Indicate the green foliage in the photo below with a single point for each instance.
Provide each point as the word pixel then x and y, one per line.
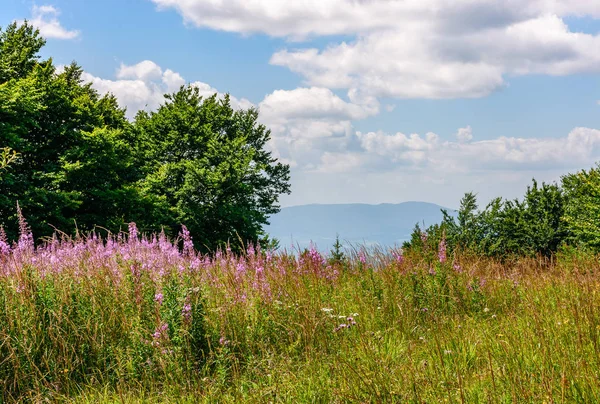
pixel 81 164
pixel 337 255
pixel 19 46
pixel 74 165
pixel 7 156
pixel 582 211
pixel 205 165
pixel 505 228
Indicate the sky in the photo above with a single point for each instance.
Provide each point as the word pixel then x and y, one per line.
pixel 369 101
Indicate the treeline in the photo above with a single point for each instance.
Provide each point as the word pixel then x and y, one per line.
pixel 73 162
pixel 545 219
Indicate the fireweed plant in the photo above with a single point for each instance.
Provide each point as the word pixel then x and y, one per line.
pixel 133 317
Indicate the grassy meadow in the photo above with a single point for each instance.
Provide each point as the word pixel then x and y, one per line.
pixel 136 319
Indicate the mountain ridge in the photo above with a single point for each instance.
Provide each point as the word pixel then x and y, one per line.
pixel 384 224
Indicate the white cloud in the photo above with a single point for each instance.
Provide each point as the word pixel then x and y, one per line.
pixel 464 135
pixel 430 62
pixel 144 70
pixel 580 147
pixel 314 103
pixel 398 167
pixel 45 18
pixel 414 48
pixel 142 87
pixel 299 19
pixel 307 121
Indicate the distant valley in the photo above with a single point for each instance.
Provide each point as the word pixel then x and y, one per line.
pixel 384 224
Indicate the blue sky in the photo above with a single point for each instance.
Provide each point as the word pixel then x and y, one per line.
pixel 381 101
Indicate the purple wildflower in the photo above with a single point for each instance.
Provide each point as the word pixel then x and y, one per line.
pixel 188 245
pixel 160 333
pixel 398 256
pixel 362 258
pixel 442 250
pixel 158 298
pixel 25 242
pixel 4 246
pixel 340 327
pixel 186 312
pixel 133 232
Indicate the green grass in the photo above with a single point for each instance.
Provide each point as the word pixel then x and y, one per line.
pixel 515 332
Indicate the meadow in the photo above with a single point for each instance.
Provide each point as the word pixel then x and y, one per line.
pixel 134 318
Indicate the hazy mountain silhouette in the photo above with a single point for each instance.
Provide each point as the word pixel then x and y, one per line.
pixel 385 224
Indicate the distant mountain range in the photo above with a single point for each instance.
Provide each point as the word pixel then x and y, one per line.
pixel 385 224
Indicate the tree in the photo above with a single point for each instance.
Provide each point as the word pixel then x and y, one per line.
pixel 207 165
pixel 582 210
pixel 75 166
pixel 507 228
pixel 337 255
pixel 19 45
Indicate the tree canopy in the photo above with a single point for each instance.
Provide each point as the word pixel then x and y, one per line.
pixel 82 164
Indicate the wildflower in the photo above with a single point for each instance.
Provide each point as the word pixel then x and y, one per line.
pixel 424 237
pixel 4 246
pixel 398 256
pixel 315 255
pixel 250 250
pixel 158 298
pixel 442 250
pixel 133 232
pixel 186 312
pixel 362 258
pixel 25 242
pixel 340 327
pixel 160 333
pixel 327 309
pixel 223 341
pixel 188 245
pixel 432 271
pixel 457 267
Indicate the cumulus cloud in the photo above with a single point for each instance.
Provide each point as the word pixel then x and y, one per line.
pixel 580 147
pixel 306 121
pixel 142 87
pixel 426 62
pixel 414 48
pixel 331 17
pixel 399 167
pixel 464 135
pixel 45 18
pixel 315 103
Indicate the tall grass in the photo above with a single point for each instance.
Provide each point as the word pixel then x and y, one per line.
pixel 128 319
